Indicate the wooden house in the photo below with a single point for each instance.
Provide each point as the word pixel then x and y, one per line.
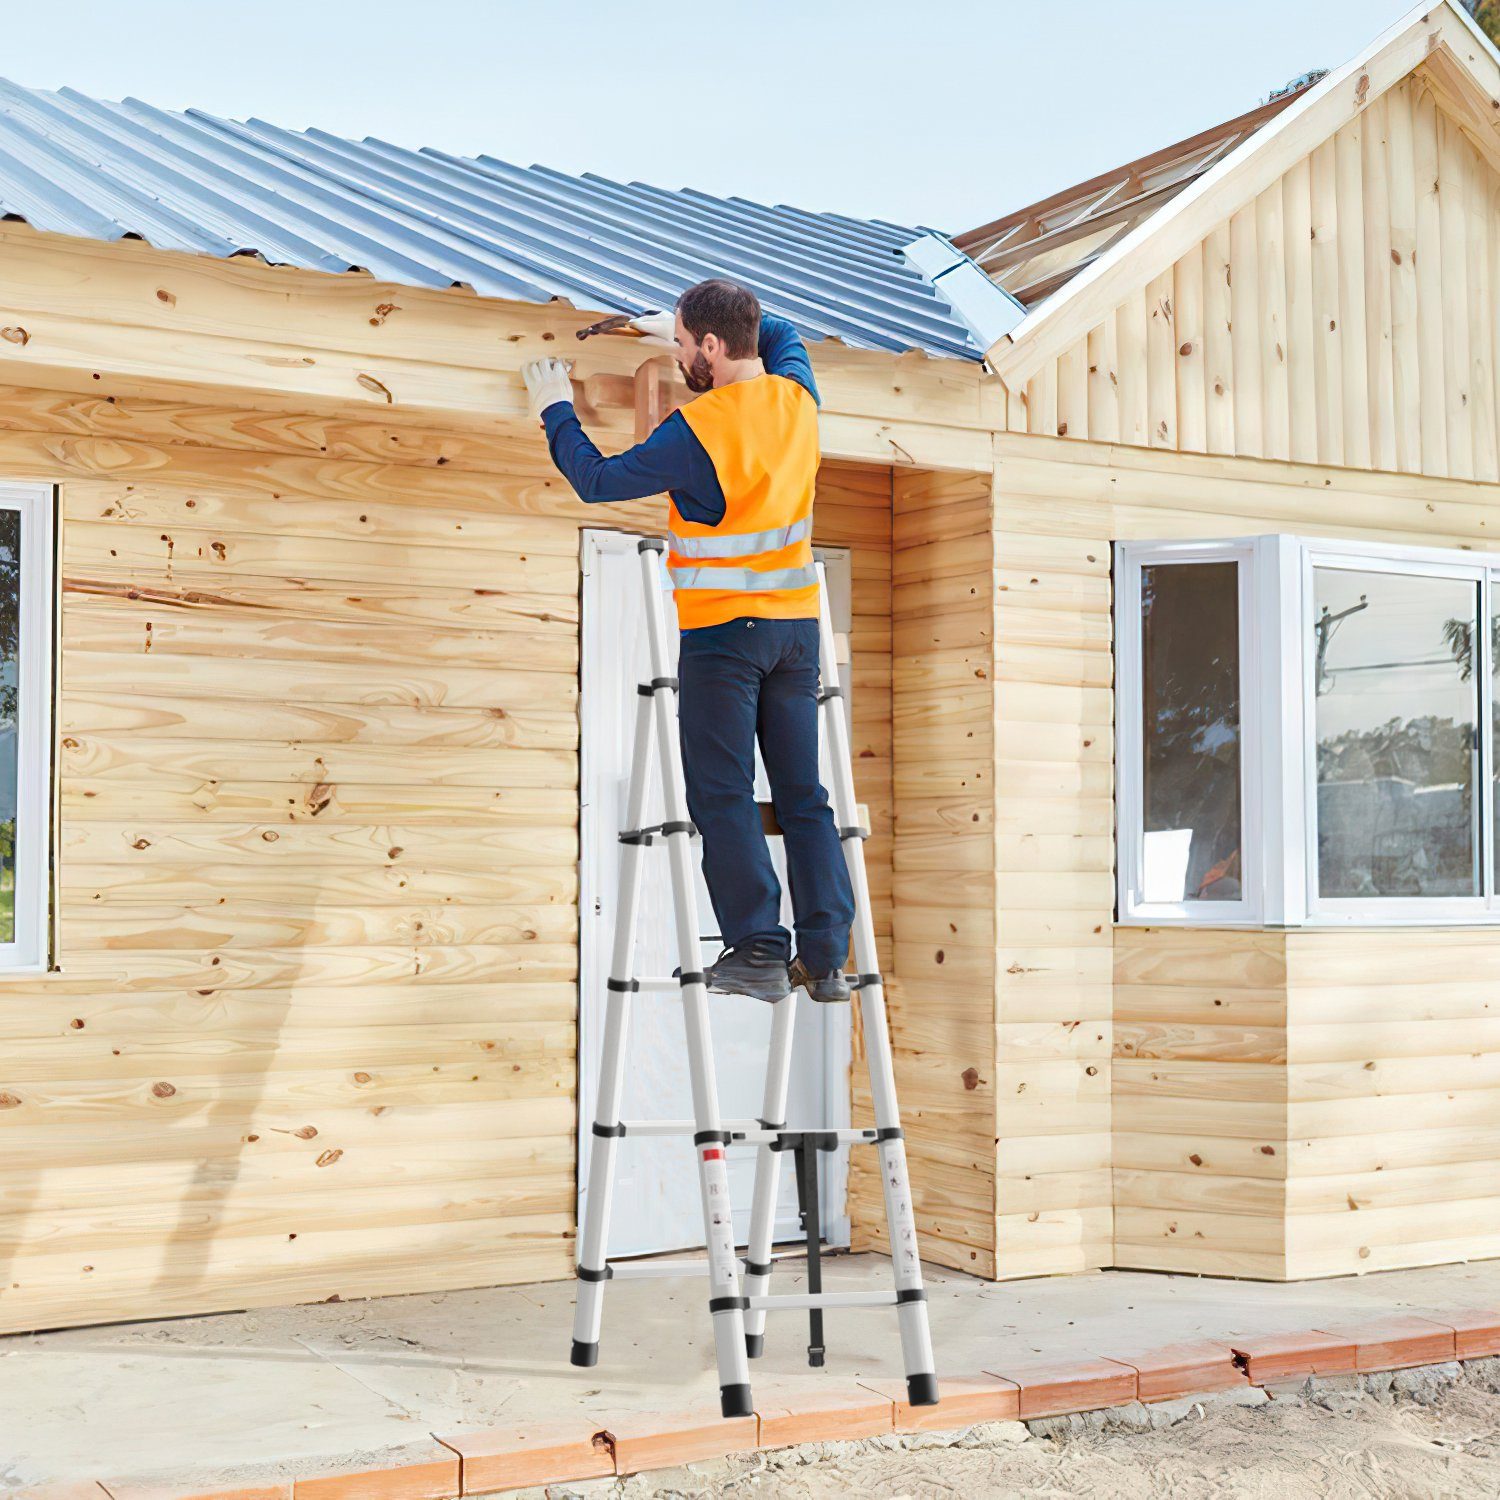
pixel 314 671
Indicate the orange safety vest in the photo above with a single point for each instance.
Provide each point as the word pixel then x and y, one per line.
pixel 762 437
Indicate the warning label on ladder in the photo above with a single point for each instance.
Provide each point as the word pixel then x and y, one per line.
pixel 719 1215
pixel 899 1213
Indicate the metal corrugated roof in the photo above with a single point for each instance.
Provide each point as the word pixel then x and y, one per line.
pixel 190 181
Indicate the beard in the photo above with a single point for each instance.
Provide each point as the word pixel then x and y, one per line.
pixel 700 377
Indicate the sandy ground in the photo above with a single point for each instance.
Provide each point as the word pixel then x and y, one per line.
pixel 1419 1434
pixel 297 1391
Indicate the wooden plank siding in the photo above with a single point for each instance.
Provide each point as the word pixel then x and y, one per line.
pixel 941 995
pixel 1247 1068
pixel 1393 1089
pixel 1306 1103
pixel 1054 856
pixel 1200 1101
pixel 1347 316
pixel 312 1030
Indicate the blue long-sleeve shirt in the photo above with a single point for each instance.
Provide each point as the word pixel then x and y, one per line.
pixel 672 460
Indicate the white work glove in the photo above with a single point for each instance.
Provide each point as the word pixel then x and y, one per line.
pixel 546 384
pixel 659 328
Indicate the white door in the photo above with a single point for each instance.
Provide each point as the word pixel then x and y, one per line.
pixel 656 1204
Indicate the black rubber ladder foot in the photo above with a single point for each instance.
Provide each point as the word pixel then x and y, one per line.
pixel 921 1390
pixel 734 1401
pixel 815 1356
pixel 585 1355
pixel 755 1345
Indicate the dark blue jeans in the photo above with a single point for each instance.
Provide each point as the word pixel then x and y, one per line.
pixel 739 680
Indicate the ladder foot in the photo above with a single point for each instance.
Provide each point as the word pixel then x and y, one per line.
pixel 755 1345
pixel 583 1354
pixel 815 1356
pixel 922 1390
pixel 734 1401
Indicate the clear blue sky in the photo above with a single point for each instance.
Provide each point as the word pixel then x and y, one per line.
pixel 941 114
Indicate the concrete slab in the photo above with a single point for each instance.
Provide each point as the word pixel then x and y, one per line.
pixel 288 1393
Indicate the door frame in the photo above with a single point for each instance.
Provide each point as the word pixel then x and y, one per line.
pixel 594 542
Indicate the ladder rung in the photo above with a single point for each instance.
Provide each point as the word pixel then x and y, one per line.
pixel 655 831
pixel 759 1137
pixel 772 828
pixel 801 1301
pixel 646 1270
pixel 688 1128
pixel 748 1132
pixel 661 986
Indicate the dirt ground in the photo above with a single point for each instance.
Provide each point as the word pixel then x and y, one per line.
pixel 1426 1433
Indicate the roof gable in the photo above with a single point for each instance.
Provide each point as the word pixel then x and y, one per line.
pixel 1442 38
pixel 1345 316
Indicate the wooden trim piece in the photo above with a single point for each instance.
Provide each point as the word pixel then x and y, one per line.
pixel 88 307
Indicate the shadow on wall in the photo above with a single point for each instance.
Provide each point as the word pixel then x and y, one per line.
pixel 318 945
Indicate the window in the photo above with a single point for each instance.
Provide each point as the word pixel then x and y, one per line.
pixel 1307 733
pixel 1395 734
pixel 1185 761
pixel 26 604
pixel 1190 728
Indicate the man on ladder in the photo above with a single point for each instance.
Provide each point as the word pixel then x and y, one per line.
pixel 740 464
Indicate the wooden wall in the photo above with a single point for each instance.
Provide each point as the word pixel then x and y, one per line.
pixel 1054 857
pixel 1306 1103
pixel 1220 1040
pixel 1346 316
pixel 312 1033
pixel 1201 1147
pixel 312 1029
pixel 853 509
pixel 1393 1046
pixel 941 992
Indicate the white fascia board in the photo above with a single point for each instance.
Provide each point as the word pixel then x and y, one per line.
pixel 1462 12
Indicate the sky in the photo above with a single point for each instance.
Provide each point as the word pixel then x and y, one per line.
pixel 943 115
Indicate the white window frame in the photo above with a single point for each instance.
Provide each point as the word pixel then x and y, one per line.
pixel 1278 756
pixel 1130 560
pixel 28 952
pixel 1430 562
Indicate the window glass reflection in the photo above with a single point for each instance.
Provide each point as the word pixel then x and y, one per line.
pixel 1191 732
pixel 1395 716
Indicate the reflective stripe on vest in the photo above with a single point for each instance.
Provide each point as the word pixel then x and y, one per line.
pixel 761 435
pixel 742 545
pixel 746 579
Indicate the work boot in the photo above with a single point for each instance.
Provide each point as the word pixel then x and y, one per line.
pixel 829 988
pixel 754 969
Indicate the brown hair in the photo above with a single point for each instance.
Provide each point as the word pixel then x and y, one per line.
pixel 727 309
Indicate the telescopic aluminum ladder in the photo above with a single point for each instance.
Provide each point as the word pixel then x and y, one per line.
pixel 739 1316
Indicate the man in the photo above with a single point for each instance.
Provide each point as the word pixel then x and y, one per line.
pixel 740 464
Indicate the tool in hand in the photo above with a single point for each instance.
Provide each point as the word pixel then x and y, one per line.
pixel 619 323
pixel 658 329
